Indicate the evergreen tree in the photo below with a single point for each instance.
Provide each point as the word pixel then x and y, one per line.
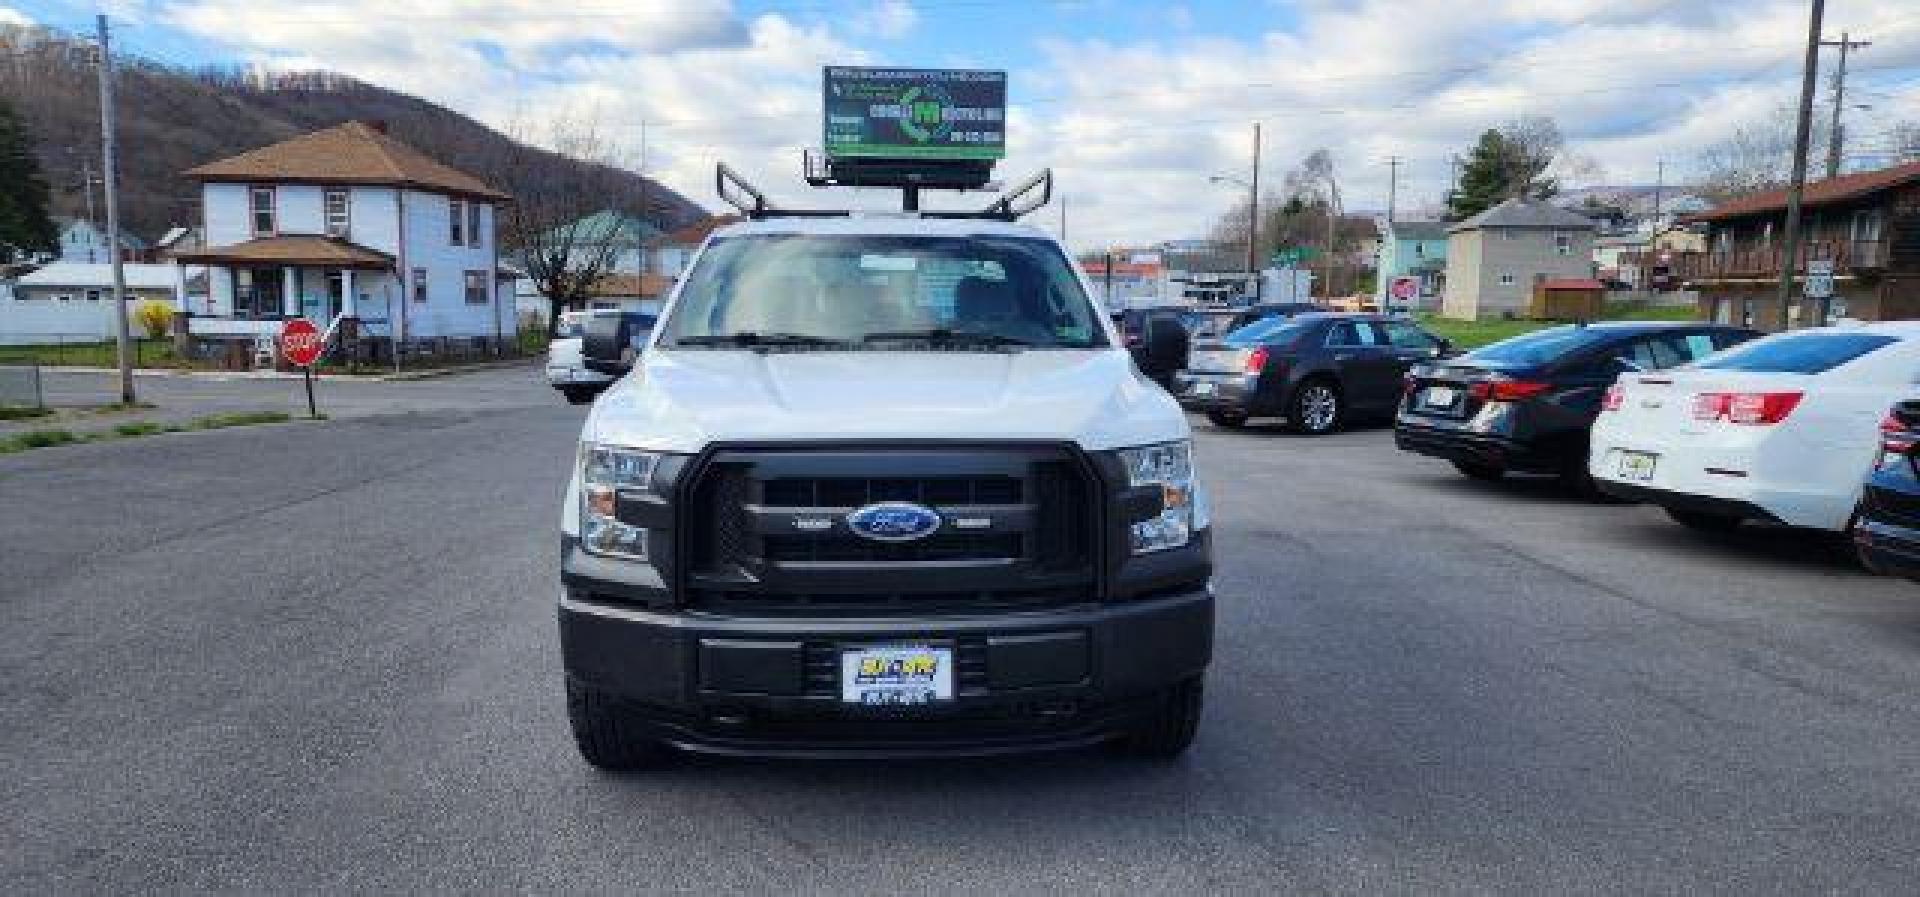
pixel 1506 163
pixel 25 226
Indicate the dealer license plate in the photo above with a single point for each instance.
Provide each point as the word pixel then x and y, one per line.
pixel 896 675
pixel 1441 396
pixel 1637 465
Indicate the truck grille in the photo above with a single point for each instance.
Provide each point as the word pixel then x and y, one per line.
pixel 765 529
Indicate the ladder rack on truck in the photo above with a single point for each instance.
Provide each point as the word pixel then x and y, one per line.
pixel 1020 200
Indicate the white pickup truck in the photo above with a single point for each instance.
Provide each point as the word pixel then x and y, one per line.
pixel 566 368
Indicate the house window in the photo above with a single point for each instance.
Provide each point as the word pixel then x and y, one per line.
pixel 1563 244
pixel 261 204
pixel 1420 250
pixel 1866 226
pixel 473 224
pixel 1506 280
pixel 419 284
pixel 338 213
pixel 476 287
pixel 1510 235
pixel 1766 234
pixel 93 295
pixel 457 222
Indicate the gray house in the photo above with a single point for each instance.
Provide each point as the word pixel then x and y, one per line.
pixel 1495 257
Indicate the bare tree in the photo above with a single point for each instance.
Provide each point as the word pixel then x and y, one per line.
pixel 1533 145
pixel 1756 156
pixel 553 228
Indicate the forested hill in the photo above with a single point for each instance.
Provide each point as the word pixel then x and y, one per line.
pixel 171 119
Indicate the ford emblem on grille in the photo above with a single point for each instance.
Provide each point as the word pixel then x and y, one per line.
pixel 893 521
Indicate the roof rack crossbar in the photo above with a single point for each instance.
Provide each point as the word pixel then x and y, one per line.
pixel 735 190
pixel 1016 201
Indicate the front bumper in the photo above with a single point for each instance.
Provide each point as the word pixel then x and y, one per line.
pixel 559 376
pixel 768 686
pixel 1887 547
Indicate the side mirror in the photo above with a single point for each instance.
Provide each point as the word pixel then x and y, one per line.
pixel 1166 345
pixel 607 344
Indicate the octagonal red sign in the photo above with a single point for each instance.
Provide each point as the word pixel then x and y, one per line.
pixel 300 342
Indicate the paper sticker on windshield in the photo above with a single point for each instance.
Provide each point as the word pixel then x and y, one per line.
pixel 889 262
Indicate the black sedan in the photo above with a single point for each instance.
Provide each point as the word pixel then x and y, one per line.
pixel 1317 370
pixel 1528 403
pixel 1886 531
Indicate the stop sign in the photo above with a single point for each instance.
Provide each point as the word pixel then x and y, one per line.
pixel 1405 288
pixel 300 342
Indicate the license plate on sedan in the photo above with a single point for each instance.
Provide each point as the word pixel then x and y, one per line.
pixel 1637 466
pixel 1441 396
pixel 1203 388
pixel 896 675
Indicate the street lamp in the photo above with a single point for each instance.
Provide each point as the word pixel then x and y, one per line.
pixel 1253 224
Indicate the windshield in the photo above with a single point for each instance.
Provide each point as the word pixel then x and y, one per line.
pixel 1797 353
pixel 1540 346
pixel 850 291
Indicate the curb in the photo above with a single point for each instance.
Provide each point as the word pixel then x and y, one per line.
pixel 322 377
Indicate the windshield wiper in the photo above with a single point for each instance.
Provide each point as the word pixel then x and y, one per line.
pixel 753 339
pixel 946 336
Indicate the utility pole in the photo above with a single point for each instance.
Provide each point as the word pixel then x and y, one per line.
pixel 1836 131
pixel 1796 189
pixel 1333 220
pixel 108 177
pixel 640 232
pixel 1393 186
pixel 1253 219
pixel 1653 228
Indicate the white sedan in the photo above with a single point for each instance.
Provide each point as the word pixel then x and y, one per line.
pixel 1781 429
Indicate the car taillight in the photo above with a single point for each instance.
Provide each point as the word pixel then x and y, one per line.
pixel 1256 360
pixel 1752 408
pixel 1507 390
pixel 1616 394
pixel 1896 441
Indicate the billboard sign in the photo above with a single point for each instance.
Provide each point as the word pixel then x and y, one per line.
pixel 889 113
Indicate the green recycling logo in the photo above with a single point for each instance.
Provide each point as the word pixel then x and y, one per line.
pixel 923 113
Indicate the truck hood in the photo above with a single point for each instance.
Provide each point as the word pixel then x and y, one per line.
pixel 684 400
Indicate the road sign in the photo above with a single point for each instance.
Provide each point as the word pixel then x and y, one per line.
pixel 300 342
pixel 1287 258
pixel 1819 283
pixel 300 345
pixel 1404 289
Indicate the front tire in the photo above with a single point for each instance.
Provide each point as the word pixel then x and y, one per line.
pixel 1169 730
pixel 1705 522
pixel 606 733
pixel 1317 408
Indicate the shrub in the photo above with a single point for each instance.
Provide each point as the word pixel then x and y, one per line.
pixel 156 318
pixel 44 438
pixel 138 428
pixel 17 412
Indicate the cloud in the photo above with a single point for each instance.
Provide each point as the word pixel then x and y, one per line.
pixel 886 20
pixel 1132 117
pixel 11 16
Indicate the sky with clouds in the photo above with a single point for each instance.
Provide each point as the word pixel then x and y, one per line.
pixel 1134 105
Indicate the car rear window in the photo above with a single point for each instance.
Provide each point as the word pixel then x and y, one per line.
pixel 1541 346
pixel 1269 330
pixel 1797 353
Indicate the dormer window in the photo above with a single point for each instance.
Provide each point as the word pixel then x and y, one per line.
pixel 339 214
pixel 260 203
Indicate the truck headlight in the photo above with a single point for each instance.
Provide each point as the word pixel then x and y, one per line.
pixel 605 472
pixel 1169 466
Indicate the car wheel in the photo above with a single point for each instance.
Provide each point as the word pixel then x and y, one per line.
pixel 1169 730
pixel 1227 419
pixel 1485 472
pixel 606 734
pixel 1704 521
pixel 577 396
pixel 1316 408
pixel 1857 548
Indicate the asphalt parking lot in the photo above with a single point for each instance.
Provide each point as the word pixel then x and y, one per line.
pixel 321 656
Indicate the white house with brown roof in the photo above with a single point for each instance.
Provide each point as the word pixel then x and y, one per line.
pixel 348 223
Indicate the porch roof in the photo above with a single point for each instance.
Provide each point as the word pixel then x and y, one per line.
pixel 312 250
